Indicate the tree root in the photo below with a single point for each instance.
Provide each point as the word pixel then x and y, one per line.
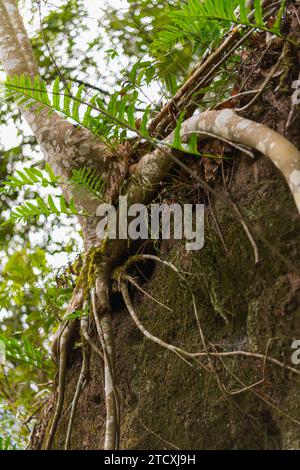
pixel 209 354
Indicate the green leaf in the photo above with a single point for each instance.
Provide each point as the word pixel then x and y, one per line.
pixel 62 204
pixel 144 121
pixel 193 144
pixel 51 174
pixel 276 26
pixel 130 115
pixel 76 104
pixel 72 206
pixel 44 208
pixel 67 103
pixel 258 13
pixel 52 205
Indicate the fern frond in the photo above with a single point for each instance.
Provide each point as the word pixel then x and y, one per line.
pixel 88 179
pixel 195 18
pixel 38 207
pixel 119 114
pixel 31 177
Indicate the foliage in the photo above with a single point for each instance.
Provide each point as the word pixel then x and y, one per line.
pixel 118 114
pixel 29 209
pixel 134 29
pixel 111 125
pixel 6 443
pixel 83 178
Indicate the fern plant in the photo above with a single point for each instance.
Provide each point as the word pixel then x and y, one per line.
pixel 85 178
pixel 38 207
pixel 31 177
pixel 88 179
pixel 117 118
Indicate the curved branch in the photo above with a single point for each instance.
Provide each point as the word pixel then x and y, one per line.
pixel 152 168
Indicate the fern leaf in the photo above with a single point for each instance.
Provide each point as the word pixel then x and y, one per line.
pixel 42 206
pixel 56 95
pixel 72 206
pixel 52 205
pixel 62 204
pixel 276 26
pixel 29 210
pixel 177 139
pixel 258 13
pixel 67 103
